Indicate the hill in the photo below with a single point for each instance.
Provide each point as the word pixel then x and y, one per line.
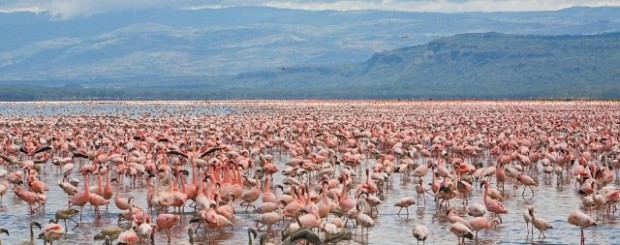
pixel 128 46
pixel 480 65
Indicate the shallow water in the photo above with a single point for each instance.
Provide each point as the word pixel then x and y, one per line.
pixel 551 203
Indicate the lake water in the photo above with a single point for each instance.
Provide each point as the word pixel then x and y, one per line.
pixel 552 203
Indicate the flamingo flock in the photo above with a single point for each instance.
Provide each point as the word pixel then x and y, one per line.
pixel 316 172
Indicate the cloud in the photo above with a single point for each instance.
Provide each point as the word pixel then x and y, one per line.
pixel 65 9
pixel 443 6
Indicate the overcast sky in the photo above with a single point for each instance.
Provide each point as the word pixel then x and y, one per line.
pixel 64 9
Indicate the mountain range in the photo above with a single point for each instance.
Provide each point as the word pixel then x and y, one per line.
pixel 258 52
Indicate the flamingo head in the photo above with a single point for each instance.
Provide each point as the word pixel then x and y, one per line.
pixel 282 204
pixel 495 222
pixel 483 182
pixel 35 224
pixel 450 210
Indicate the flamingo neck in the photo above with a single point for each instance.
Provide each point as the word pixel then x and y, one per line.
pixel 86 184
pixel 267 184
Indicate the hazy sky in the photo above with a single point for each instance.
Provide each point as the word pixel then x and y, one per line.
pixel 72 8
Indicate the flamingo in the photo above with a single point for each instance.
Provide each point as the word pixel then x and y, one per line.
pixel 476 209
pixel 53 231
pixel 69 189
pixel 420 232
pixel 121 203
pixel 4 186
pixel 527 216
pixel 30 197
pixel 269 219
pixel 111 232
pixel 492 205
pixel 268 196
pixel 539 223
pixel 344 201
pixel 81 198
pixel 577 218
pixel 5 231
pixel 526 181
pixel 479 223
pixel 454 218
pixel 145 231
pixel 421 170
pixel 365 221
pixel 31 242
pixel 250 196
pixel 461 231
pixel 65 214
pixel 405 202
pixel 311 218
pixel 166 222
pixel 94 199
pixel 128 237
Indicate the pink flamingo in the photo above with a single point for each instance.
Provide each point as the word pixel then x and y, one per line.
pixel 94 199
pixel 53 231
pixel 311 219
pixel 461 231
pixel 128 237
pixel 344 201
pixel 526 181
pixel 30 197
pixel 121 203
pixel 268 196
pixel 166 222
pixel 492 205
pixel 81 198
pixel 405 202
pixel 577 218
pixel 250 196
pixel 479 223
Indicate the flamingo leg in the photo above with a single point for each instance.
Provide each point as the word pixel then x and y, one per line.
pixel 527 226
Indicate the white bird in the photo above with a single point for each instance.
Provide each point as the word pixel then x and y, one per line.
pixel 455 218
pixel 476 209
pixel 144 231
pixel 365 221
pixel 528 219
pixel 420 232
pixel 461 231
pixel 539 223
